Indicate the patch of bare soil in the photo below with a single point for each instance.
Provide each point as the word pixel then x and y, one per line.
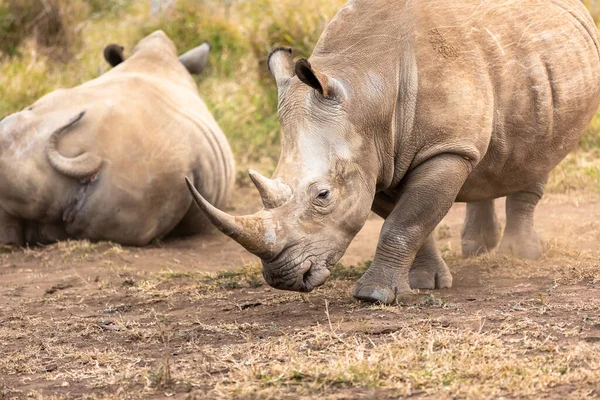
pixel 81 320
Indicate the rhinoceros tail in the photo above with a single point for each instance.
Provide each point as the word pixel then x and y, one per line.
pixel 82 167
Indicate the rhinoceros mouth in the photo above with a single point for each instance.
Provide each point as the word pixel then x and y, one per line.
pixel 314 277
pixel 286 273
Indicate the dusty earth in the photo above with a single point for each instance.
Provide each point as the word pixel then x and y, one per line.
pixel 81 320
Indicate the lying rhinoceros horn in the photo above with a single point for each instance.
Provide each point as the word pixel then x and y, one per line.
pixel 82 167
pixel 254 232
pixel 273 192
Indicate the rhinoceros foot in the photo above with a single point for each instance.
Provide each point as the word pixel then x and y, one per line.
pixel 480 244
pixel 382 286
pixel 429 270
pixel 482 231
pixel 430 276
pixel 382 294
pixel 374 294
pixel 527 246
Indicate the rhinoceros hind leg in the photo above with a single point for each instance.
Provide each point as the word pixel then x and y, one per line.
pixel 429 270
pixel 481 231
pixel 11 230
pixel 520 238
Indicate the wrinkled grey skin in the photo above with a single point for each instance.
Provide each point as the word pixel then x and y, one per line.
pixel 405 107
pixel 104 160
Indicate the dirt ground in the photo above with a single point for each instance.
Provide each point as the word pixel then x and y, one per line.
pixel 81 320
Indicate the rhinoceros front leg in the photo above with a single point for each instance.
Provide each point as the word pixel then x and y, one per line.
pixel 11 229
pixel 426 195
pixel 428 270
pixel 520 238
pixel 481 230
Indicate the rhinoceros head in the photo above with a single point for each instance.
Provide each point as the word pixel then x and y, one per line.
pixel 320 194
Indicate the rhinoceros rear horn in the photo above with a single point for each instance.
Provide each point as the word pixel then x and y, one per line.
pixel 113 54
pixel 272 192
pixel 281 65
pixel 249 231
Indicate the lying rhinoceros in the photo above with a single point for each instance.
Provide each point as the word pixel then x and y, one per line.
pixel 104 160
pixel 404 108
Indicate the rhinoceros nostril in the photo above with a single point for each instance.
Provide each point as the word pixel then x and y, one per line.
pixel 307 280
pixel 306 275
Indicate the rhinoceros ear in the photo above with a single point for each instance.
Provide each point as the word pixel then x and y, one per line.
pixel 281 65
pixel 113 54
pixel 196 59
pixel 328 87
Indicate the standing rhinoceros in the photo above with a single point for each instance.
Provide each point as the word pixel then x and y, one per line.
pixel 104 160
pixel 405 107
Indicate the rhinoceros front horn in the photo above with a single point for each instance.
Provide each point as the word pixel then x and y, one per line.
pixel 273 192
pixel 249 231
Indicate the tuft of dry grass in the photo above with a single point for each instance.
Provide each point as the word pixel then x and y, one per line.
pixel 422 360
pixel 567 265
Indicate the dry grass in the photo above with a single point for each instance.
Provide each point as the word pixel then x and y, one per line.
pixel 524 330
pixel 425 359
pixel 579 172
pixel 566 265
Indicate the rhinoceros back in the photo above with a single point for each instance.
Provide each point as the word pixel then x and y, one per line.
pixel 509 83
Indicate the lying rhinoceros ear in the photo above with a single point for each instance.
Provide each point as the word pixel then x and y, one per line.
pixel 281 65
pixel 196 59
pixel 328 87
pixel 113 54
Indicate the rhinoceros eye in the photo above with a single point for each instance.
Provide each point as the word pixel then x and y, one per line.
pixel 323 194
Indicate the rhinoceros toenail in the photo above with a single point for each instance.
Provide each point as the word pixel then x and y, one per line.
pixel 372 295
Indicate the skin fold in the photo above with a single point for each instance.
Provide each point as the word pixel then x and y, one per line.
pixel 404 108
pixel 103 160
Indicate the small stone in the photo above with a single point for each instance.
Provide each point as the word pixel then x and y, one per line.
pixel 50 367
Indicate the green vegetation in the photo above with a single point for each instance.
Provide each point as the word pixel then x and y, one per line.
pixel 236 85
pixel 579 171
pixel 58 43
pixel 52 24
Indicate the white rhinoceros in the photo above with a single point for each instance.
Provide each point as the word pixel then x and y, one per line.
pixel 104 160
pixel 405 107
